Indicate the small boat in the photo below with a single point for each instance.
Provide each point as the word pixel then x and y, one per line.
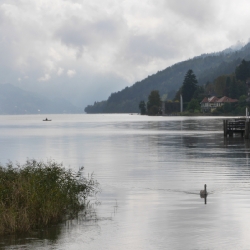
pixel 47 120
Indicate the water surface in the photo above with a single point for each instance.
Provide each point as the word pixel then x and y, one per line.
pixel 151 170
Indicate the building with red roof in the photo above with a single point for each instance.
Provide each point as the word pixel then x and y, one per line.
pixel 211 103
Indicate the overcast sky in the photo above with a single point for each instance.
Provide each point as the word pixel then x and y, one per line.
pixel 88 49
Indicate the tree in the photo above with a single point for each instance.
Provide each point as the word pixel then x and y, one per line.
pixel 199 93
pixel 220 85
pixel 177 95
pixel 154 103
pixel 227 107
pixel 228 86
pixel 142 107
pixel 242 72
pixel 189 86
pixel 233 89
pixel 193 105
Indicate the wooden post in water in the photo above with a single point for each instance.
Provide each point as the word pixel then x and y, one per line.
pixel 247 129
pixel 247 125
pixel 225 127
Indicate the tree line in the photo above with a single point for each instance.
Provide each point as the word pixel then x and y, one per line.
pixel 207 67
pixel 231 85
pixel 153 106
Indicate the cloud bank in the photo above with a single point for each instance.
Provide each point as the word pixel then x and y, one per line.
pixel 84 50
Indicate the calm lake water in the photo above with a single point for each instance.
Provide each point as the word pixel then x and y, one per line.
pixel 151 170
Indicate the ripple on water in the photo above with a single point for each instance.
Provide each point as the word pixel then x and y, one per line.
pixel 151 170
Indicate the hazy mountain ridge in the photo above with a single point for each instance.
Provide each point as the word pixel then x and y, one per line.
pixel 206 67
pixel 14 100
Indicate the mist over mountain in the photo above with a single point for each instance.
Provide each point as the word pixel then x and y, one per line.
pixel 14 100
pixel 206 67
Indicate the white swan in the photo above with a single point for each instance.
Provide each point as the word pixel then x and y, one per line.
pixel 204 192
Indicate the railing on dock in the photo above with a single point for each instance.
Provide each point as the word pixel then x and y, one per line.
pixel 236 126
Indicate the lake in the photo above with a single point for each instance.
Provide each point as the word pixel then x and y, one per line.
pixel 151 170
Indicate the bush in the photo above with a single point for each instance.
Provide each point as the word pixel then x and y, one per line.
pixel 227 107
pixel 193 105
pixel 37 194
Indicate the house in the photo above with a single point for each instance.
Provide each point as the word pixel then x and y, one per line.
pixel 208 104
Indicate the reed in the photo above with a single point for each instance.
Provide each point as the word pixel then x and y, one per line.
pixel 38 194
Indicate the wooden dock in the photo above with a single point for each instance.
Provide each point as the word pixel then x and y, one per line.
pixel 236 126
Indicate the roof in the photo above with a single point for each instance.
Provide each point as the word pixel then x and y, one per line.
pixel 210 99
pixel 214 99
pixel 227 99
pixel 205 99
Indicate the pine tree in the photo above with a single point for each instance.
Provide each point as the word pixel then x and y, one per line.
pixel 242 72
pixel 189 86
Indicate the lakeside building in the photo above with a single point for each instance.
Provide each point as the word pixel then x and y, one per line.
pixel 208 104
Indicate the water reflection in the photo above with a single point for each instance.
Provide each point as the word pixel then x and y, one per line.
pixel 52 235
pixel 150 170
pixel 204 196
pixel 236 141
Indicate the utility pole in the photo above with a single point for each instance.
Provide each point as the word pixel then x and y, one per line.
pixel 181 104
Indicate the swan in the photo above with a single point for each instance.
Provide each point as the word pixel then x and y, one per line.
pixel 204 192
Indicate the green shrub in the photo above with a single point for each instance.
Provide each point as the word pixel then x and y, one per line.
pixel 37 194
pixel 193 105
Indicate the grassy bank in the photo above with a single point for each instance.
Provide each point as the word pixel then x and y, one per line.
pixel 38 194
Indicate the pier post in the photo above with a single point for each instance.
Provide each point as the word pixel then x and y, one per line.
pixel 225 127
pixel 247 130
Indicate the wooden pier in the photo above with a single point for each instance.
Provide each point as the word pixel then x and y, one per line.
pixel 236 126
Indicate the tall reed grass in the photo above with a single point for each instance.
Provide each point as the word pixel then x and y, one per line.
pixel 37 194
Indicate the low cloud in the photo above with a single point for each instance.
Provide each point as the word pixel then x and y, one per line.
pixel 45 78
pixel 197 12
pixel 71 72
pixel 78 32
pixel 85 42
pixel 60 71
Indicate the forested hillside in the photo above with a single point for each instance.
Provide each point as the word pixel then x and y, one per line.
pixel 206 67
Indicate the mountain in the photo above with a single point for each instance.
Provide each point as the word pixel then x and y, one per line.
pixel 206 67
pixel 14 100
